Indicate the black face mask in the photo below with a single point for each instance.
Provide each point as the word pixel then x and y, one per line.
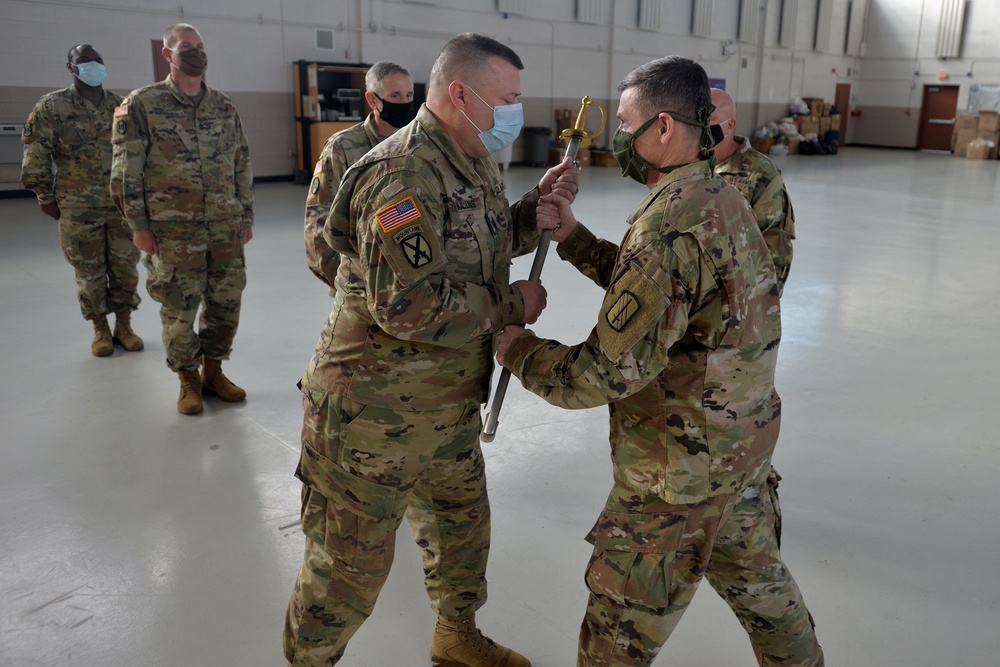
pixel 396 114
pixel 717 134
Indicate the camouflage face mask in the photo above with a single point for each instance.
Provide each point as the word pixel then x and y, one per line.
pixel 636 167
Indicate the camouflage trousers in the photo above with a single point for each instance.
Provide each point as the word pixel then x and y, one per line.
pixel 197 261
pixel 650 556
pixel 98 245
pixel 363 468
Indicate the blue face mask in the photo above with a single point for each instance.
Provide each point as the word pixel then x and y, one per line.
pixel 507 122
pixel 91 73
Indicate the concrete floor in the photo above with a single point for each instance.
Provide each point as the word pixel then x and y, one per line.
pixel 132 535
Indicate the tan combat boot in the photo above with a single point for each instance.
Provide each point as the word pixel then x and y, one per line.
pixel 460 644
pixel 214 383
pixel 103 345
pixel 124 335
pixel 189 402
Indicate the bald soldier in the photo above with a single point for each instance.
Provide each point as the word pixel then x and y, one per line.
pixel 390 95
pixel 182 178
pixel 67 164
pixel 758 180
pixel 683 354
pixel 393 393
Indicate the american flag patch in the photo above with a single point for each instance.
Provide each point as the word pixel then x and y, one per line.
pixel 318 168
pixel 398 214
pixel 121 110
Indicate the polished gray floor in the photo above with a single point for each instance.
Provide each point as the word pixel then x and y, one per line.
pixel 132 535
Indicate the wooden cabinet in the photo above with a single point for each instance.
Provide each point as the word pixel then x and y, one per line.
pixel 329 97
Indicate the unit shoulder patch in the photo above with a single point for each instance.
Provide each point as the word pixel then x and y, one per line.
pixel 407 238
pixel 631 306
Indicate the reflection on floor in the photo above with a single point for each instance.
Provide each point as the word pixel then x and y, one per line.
pixel 132 535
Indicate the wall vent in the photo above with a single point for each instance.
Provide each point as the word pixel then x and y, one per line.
pixel 324 39
pixel 519 7
pixel 949 43
pixel 789 22
pixel 651 15
pixel 751 20
pixel 592 11
pixel 701 18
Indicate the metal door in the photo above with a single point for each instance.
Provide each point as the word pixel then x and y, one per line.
pixel 937 118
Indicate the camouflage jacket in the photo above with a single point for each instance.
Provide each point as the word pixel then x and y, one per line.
pixel 759 180
pixel 685 344
pixel 428 236
pixel 340 151
pixel 67 150
pixel 177 162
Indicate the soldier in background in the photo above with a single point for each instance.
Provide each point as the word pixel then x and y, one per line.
pixel 758 180
pixel 683 353
pixel 181 175
pixel 67 164
pixel 390 95
pixel 393 393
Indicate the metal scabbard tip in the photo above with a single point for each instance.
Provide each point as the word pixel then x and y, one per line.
pixel 487 437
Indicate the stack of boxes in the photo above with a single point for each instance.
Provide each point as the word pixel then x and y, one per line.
pixel 821 120
pixel 976 136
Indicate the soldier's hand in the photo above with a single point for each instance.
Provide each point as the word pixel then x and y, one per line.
pixel 534 296
pixel 247 233
pixel 145 240
pixel 51 210
pixel 506 337
pixel 563 178
pixel 554 213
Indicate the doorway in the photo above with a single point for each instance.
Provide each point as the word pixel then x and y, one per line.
pixel 161 68
pixel 937 118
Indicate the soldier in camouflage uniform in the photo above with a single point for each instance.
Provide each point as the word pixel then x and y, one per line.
pixel 67 163
pixel 683 353
pixel 393 392
pixel 759 180
pixel 181 175
pixel 390 95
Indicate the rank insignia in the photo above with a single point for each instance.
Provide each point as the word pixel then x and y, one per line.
pixel 621 313
pixel 417 250
pixel 398 214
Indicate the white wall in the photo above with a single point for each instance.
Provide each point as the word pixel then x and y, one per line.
pixel 251 44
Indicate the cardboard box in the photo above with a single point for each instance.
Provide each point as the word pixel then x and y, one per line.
pixel 967 121
pixel 808 125
pixel 564 120
pixel 835 121
pixel 824 125
pixel 982 149
pixel 989 121
pixel 826 109
pixel 762 145
pixel 961 140
pixel 989 136
pixel 815 105
pixel 793 145
pixel 602 157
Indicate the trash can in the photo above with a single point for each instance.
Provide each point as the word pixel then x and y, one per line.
pixel 536 146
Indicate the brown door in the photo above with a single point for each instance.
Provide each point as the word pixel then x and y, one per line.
pixel 937 118
pixel 842 100
pixel 161 68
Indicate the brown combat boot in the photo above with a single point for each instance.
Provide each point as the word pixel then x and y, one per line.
pixel 189 402
pixel 214 383
pixel 103 345
pixel 124 335
pixel 460 644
